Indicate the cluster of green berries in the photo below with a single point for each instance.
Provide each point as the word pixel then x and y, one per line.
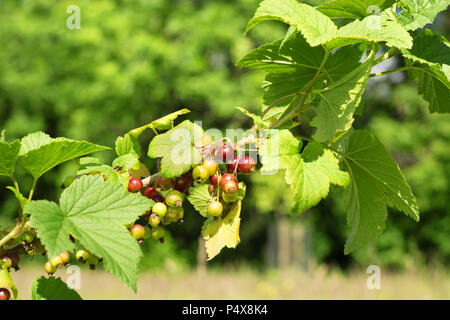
pixel 52 265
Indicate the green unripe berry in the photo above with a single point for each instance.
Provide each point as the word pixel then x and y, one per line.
pixel 160 209
pixel 174 198
pixel 82 255
pixel 7 262
pixel 92 261
pixel 65 257
pixel 157 233
pixel 230 197
pixel 154 220
pixel 200 173
pixel 49 268
pixel 174 214
pixel 215 208
pixel 211 166
pixel 56 262
pixel 28 237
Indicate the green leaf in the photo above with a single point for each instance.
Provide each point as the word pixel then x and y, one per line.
pixel 128 144
pixel 339 101
pixel 199 197
pixel 353 9
pixel 256 119
pixel 309 174
pixel 52 289
pixel 416 14
pixel 224 232
pixel 95 213
pixel 22 200
pixel 89 160
pixel 375 182
pixel 372 28
pixel 40 153
pixel 6 281
pixel 163 123
pixel 107 171
pixel 9 153
pixel 176 147
pixel 430 60
pixel 127 161
pixel 316 27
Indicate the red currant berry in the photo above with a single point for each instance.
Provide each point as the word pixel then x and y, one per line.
pixel 137 231
pixel 214 179
pixel 231 167
pixel 225 153
pixel 184 182
pixel 230 187
pixel 200 173
pixel 247 165
pixel 215 208
pixel 135 185
pixel 163 183
pixel 174 198
pixel 152 193
pixel 227 177
pixel 4 294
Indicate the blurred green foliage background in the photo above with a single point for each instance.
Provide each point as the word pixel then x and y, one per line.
pixel 133 61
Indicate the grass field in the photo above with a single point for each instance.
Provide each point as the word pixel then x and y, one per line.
pixel 321 283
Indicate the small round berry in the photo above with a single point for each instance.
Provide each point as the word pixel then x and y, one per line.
pixel 225 153
pixel 56 262
pixel 211 188
pixel 247 165
pixel 230 187
pixel 82 255
pixel 92 261
pixel 214 179
pixel 163 183
pixel 215 208
pixel 65 257
pixel 227 177
pixel 200 173
pixel 154 220
pixel 15 260
pixel 7 262
pixel 49 268
pixel 174 198
pixel 174 214
pixel 231 167
pixel 230 197
pixel 152 193
pixel 160 209
pixel 157 233
pixel 211 166
pixel 135 185
pixel 184 182
pixel 4 294
pixel 137 231
pixel 28 237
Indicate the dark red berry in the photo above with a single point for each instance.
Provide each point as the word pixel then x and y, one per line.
pixel 247 165
pixel 214 179
pixel 184 182
pixel 225 153
pixel 15 260
pixel 4 294
pixel 164 183
pixel 231 167
pixel 152 193
pixel 135 185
